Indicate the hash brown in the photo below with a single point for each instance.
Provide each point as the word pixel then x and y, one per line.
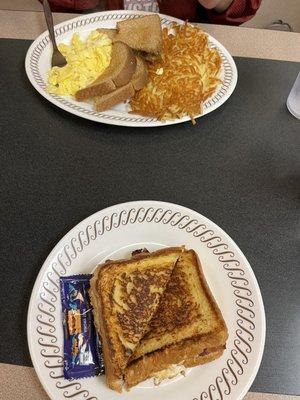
pixel 187 73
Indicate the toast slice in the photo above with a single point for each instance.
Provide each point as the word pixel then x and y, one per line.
pixel 187 325
pixel 110 32
pixel 162 364
pixel 140 77
pixel 174 370
pixel 125 295
pixel 123 93
pixel 143 33
pixel 119 72
pixel 151 58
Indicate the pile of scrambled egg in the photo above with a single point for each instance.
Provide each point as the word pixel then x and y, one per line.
pixel 86 61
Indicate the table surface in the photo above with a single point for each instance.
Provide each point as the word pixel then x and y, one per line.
pixel 57 169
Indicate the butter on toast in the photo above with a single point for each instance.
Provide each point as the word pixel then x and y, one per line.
pixel 125 295
pixel 187 329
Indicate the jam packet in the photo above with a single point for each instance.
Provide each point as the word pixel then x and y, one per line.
pixel 82 348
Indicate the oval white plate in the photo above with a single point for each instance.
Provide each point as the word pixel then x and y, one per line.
pixel 114 233
pixel 38 62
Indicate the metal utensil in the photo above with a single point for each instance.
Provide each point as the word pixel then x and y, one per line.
pixel 58 60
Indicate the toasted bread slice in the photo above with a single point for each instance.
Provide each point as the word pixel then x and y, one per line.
pixel 187 308
pixel 111 33
pixel 119 72
pixel 158 363
pixel 140 77
pixel 151 58
pixel 207 356
pixel 187 323
pixel 125 296
pixel 143 33
pixel 109 100
pixel 176 369
pixel 123 93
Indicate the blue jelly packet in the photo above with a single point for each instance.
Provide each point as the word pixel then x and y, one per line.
pixel 82 348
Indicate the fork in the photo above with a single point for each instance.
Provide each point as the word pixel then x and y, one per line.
pixel 58 60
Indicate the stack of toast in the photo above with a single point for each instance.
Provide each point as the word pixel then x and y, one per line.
pixel 133 42
pixel 156 316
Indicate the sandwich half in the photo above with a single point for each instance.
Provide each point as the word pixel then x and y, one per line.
pixel 125 295
pixel 187 329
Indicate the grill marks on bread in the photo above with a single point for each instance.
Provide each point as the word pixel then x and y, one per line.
pixel 153 312
pixel 134 297
pixel 125 296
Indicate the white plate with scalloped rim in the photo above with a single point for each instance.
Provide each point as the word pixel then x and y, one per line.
pixel 113 233
pixel 38 62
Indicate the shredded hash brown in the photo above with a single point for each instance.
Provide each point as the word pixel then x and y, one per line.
pixel 182 79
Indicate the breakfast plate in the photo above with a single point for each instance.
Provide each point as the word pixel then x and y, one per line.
pixel 38 63
pixel 114 233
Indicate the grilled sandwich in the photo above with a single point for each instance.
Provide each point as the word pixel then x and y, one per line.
pixel 125 296
pixel 187 329
pixel 155 336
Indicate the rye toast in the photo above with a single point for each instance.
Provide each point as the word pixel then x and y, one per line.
pixel 143 33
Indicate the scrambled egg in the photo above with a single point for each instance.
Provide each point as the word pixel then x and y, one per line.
pixel 86 61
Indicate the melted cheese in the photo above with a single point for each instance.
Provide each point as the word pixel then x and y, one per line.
pixel 168 373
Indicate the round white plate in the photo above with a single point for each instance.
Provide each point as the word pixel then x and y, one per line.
pixel 38 63
pixel 114 233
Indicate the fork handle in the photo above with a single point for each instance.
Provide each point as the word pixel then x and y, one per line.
pixel 49 21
